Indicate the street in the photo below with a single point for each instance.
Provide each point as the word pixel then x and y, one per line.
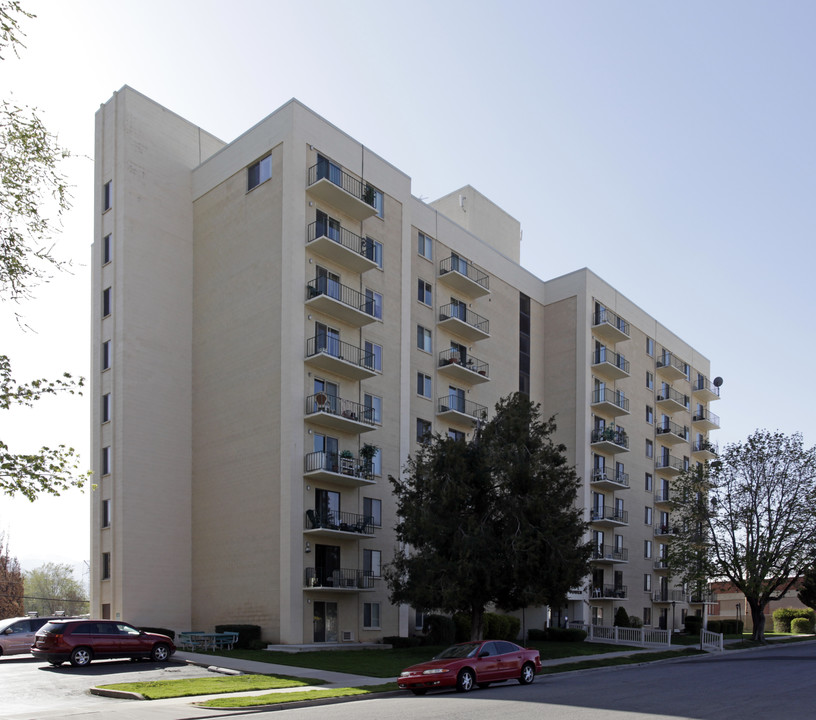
pixel 763 683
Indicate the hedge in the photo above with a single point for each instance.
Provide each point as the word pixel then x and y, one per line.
pixel 782 618
pixel 801 626
pixel 440 630
pixel 694 624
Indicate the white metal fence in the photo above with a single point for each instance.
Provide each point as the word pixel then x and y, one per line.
pixel 711 641
pixel 647 637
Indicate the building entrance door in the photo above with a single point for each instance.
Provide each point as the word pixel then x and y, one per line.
pixel 325 622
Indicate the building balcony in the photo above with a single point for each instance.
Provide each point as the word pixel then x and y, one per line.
pixel 609 364
pixel 670 433
pixel 704 450
pixel 665 531
pixel 464 277
pixel 610 402
pixel 468 369
pixel 704 390
pixel 340 301
pixel 338 469
pixel 608 480
pixel 451 408
pixel 609 326
pixel 607 592
pixel 671 401
pixel 705 420
pixel 670 366
pixel 341 246
pixel 661 565
pixel 704 598
pixel 338 524
pixel 609 440
pixel 669 466
pixel 608 517
pixel 338 579
pixel 669 596
pixel 609 554
pixel 334 186
pixel 332 412
pixel 331 355
pixel 663 497
pixel 462 321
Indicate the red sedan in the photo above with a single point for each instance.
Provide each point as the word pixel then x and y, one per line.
pixel 480 663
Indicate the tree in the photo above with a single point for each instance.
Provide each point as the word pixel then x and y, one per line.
pixel 748 516
pixel 807 591
pixel 52 587
pixel 31 187
pixel 11 583
pixel 489 522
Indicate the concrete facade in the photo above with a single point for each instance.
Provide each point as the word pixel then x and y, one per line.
pixel 266 310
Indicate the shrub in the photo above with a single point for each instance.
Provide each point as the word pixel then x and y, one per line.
pixel 440 630
pixel 501 627
pixel 635 621
pixel 402 642
pixel 462 622
pixel 801 626
pixel 714 626
pixel 514 629
pixel 246 633
pixel 566 634
pixel 783 618
pixel 621 617
pixel 536 635
pixel 161 631
pixel 694 624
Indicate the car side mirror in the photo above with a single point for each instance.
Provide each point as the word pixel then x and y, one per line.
pixel 484 653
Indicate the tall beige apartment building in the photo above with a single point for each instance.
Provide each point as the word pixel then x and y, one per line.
pixel 268 311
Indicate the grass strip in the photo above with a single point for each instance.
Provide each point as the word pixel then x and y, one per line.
pixel 290 697
pixel 161 689
pixel 629 660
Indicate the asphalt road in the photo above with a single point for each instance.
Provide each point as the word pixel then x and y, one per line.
pixel 763 683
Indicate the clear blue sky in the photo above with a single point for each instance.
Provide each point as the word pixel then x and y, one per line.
pixel 667 146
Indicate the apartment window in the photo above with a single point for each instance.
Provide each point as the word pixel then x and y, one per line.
pixel 106 302
pixel 456 435
pixel 650 346
pixel 647 582
pixel 423 430
pixel 649 449
pixel 106 460
pixel 373 406
pixel 374 251
pixel 647 616
pixel 424 292
pixel 647 549
pixel 106 354
pixel 425 247
pixel 372 507
pixel 371 562
pixel 107 196
pixel 524 344
pixel 371 615
pixel 649 380
pixel 649 414
pixel 106 513
pixel 377 200
pixel 647 515
pixel 106 407
pixel 373 356
pixel 106 249
pixel 648 482
pixel 106 566
pixel 374 303
pixel 419 620
pixel 423 338
pixel 259 172
pixel 424 385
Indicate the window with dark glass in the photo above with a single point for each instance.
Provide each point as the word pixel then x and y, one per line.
pixel 259 172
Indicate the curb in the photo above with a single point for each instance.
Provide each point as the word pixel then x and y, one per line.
pixel 120 694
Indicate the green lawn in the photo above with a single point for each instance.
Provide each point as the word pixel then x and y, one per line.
pixel 390 663
pixel 290 697
pixel 160 689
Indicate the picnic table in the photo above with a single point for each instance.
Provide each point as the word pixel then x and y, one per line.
pixel 194 640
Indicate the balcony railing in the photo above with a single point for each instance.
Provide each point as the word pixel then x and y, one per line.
pixel 665 530
pixel 611 514
pixel 339 177
pixel 473 281
pixel 605 320
pixel 340 521
pixel 706 418
pixel 670 464
pixel 661 564
pixel 325 344
pixel 349 410
pixel 608 591
pixel 463 314
pixel 666 428
pixel 673 399
pixel 608 396
pixel 704 447
pixel 705 389
pixel 662 497
pixel 468 362
pixel 605 356
pixel 334 462
pixel 610 553
pixel 453 403
pixel 669 596
pixel 338 578
pixel 615 435
pixel 669 365
pixel 349 297
pixel 603 476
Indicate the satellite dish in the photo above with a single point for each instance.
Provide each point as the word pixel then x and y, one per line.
pixel 718 381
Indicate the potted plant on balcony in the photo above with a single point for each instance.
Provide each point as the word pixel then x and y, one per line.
pixel 367 453
pixel 347 462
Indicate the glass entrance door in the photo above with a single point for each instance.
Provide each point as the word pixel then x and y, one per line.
pixel 325 622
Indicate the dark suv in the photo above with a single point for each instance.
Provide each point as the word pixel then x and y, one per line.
pixel 80 641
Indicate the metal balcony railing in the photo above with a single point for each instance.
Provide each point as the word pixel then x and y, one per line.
pixel 454 357
pixel 335 520
pixel 342 293
pixel 604 316
pixel 463 313
pixel 342 350
pixel 669 393
pixel 605 355
pixel 703 383
pixel 338 176
pixel 341 236
pixel 340 578
pixel 616 435
pixel 608 395
pixel 610 513
pixel 668 596
pixel 668 359
pixel 466 268
pixel 603 475
pixel 333 405
pixel 703 414
pixel 608 591
pixel 667 426
pixel 458 404
pixel 610 552
pixel 669 462
pixel 338 463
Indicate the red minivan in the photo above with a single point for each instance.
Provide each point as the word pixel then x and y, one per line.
pixel 80 641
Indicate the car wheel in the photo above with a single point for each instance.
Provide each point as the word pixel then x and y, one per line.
pixel 81 656
pixel 527 673
pixel 160 652
pixel 419 691
pixel 465 680
pixel 484 685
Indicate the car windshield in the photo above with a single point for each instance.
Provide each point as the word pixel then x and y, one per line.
pixel 459 651
pixel 5 623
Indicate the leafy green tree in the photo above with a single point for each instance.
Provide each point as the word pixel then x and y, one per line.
pixel 32 189
pixel 807 591
pixel 489 522
pixel 748 516
pixel 11 583
pixel 52 587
